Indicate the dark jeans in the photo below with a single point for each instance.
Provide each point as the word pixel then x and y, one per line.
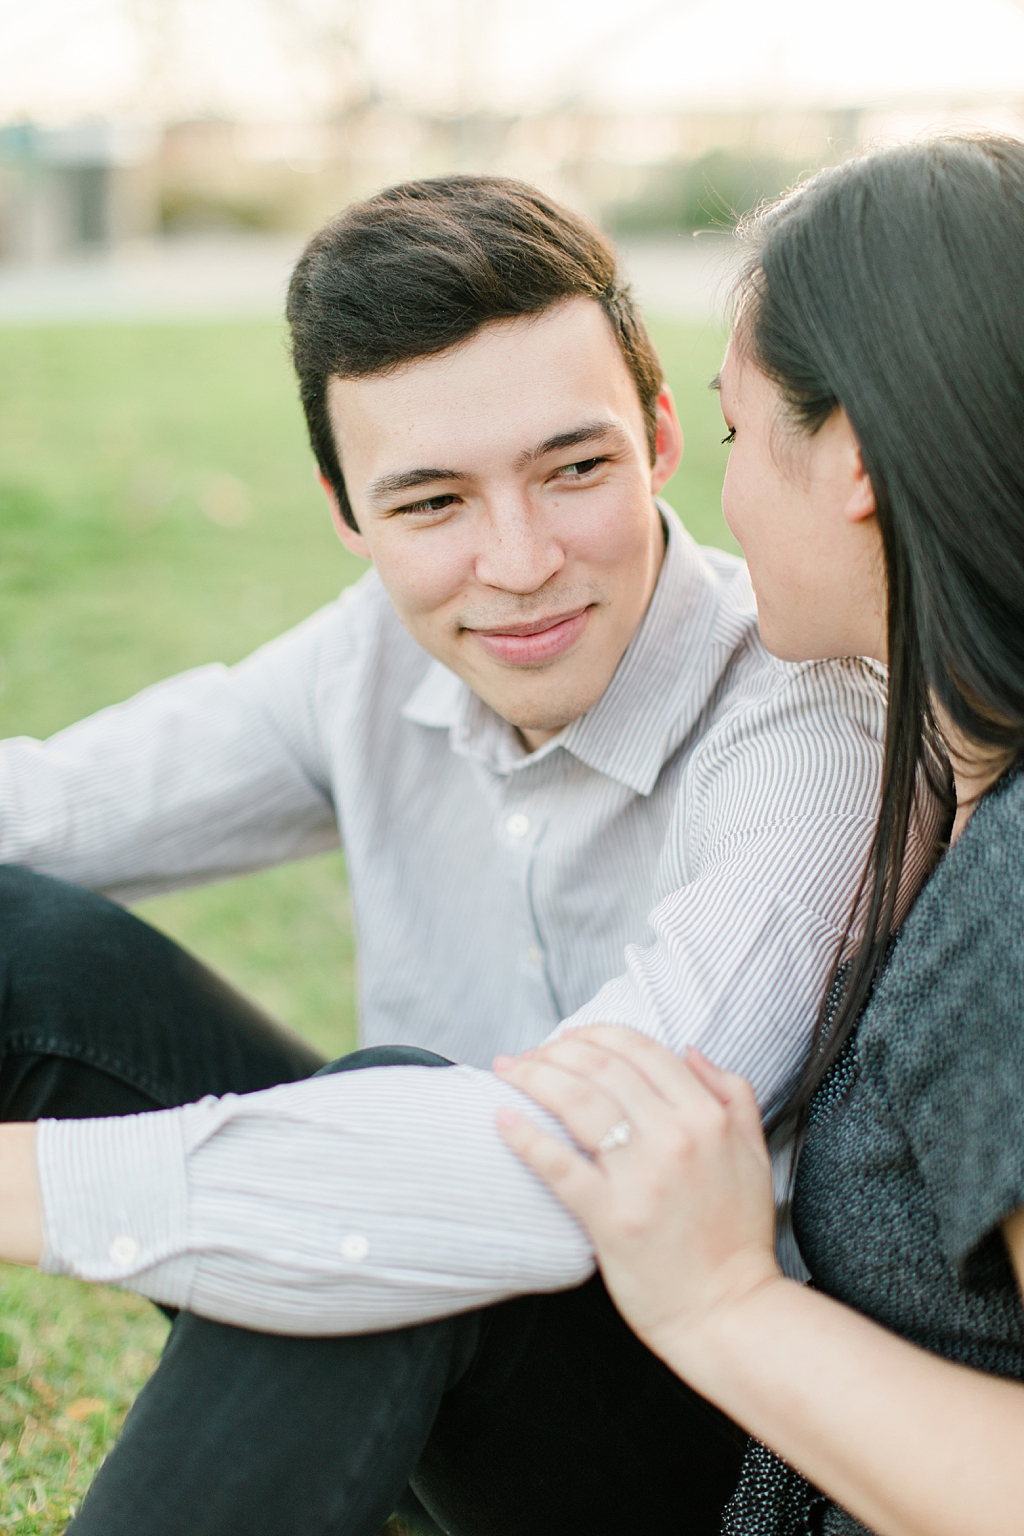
pixel 542 1416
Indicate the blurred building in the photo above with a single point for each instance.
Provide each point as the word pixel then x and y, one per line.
pixel 82 187
pixel 98 185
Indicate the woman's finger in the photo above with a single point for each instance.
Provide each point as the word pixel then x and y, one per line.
pixel 734 1092
pixel 666 1072
pixel 653 1086
pixel 584 1107
pixel 582 1051
pixel 570 1176
pixel 596 1092
pixel 590 1089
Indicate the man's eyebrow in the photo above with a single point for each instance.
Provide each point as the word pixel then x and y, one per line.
pixel 408 480
pixel 588 432
pixel 716 382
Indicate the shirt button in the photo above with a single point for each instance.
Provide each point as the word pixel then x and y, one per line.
pixel 124 1250
pixel 354 1247
pixel 517 825
pixel 534 955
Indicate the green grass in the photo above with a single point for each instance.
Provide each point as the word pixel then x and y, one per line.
pixel 158 510
pixel 72 1358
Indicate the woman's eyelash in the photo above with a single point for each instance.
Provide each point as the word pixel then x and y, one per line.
pixel 730 436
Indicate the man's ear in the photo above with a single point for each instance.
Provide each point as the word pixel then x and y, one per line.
pixel 350 537
pixel 668 443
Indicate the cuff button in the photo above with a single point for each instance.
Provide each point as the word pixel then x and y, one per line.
pixel 124 1250
pixel 354 1247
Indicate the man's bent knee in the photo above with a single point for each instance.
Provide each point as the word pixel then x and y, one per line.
pixel 385 1056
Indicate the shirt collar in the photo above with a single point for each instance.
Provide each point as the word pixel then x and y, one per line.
pixel 656 695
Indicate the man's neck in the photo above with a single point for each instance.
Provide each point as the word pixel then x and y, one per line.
pixel 534 740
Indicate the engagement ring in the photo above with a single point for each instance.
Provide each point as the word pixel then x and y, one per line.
pixel 618 1136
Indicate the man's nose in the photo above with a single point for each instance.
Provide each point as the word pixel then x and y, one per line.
pixel 519 552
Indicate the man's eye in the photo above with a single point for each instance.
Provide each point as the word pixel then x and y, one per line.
pixel 730 436
pixel 432 504
pixel 583 467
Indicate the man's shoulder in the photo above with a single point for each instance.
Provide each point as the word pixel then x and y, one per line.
pixel 362 613
pixel 359 625
pixel 730 571
pixel 353 653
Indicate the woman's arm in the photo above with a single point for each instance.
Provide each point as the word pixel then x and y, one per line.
pixel 682 1220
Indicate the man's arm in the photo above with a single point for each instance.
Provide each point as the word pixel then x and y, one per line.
pixel 21 1224
pixel 209 774
pixel 372 1199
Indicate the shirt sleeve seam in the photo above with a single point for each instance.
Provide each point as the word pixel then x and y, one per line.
pixel 787 823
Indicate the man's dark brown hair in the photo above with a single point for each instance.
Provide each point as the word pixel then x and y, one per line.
pixel 422 266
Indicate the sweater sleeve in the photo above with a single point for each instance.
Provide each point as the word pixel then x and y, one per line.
pixel 951 1039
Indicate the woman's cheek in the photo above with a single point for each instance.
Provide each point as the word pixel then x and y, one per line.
pixel 734 502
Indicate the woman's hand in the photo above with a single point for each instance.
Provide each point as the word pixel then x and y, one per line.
pixel 682 1212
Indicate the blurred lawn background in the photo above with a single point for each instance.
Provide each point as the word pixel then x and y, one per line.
pixel 158 510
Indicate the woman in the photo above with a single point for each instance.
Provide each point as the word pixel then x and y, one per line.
pixel 874 389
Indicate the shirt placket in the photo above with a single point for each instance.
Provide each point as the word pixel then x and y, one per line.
pixel 521 826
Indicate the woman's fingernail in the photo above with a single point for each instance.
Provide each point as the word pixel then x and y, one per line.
pixel 507 1118
pixel 502 1063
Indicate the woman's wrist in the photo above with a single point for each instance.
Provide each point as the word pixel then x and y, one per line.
pixel 715 1349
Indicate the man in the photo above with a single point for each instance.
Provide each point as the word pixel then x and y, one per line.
pixel 571 786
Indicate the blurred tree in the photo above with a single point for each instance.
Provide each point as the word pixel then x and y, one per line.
pixel 713 192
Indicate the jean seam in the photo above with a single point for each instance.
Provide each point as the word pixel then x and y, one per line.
pixel 88 1055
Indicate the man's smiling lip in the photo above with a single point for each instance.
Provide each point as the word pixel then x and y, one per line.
pixel 541 640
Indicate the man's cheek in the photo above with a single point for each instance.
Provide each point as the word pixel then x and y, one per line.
pixel 609 542
pixel 416 583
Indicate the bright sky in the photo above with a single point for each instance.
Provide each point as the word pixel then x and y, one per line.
pixel 278 59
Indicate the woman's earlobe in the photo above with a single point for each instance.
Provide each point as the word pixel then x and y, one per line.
pixel 862 502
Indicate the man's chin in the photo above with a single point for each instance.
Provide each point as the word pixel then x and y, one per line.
pixel 534 699
pixel 546 718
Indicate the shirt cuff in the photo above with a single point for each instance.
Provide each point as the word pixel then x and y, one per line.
pixel 97 1181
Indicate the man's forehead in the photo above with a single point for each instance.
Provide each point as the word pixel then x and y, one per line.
pixel 507 390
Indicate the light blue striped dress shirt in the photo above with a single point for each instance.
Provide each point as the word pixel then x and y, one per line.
pixel 681 859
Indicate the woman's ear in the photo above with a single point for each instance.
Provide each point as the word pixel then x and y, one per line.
pixel 350 537
pixel 861 503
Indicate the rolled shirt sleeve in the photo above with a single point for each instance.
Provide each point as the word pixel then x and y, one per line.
pixel 337 1205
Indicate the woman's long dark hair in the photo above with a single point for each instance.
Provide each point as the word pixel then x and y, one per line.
pixel 893 285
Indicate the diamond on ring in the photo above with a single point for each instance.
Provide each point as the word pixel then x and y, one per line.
pixel 618 1136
